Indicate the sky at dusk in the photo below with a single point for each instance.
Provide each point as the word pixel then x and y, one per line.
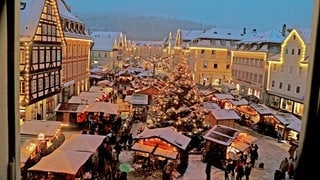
pixel 263 15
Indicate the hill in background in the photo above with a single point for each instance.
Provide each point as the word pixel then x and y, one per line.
pixel 138 27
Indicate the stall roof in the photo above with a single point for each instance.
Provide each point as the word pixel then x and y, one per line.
pixel 221 114
pixel 91 94
pixel 105 107
pixel 295 125
pixel 210 105
pixel 82 142
pixel 142 147
pixel 69 107
pixel 261 108
pixel 27 147
pixel 137 99
pixel 222 96
pixel 285 118
pixel 166 153
pixel 221 134
pixel 82 100
pixel 168 134
pixel 35 127
pixel 238 102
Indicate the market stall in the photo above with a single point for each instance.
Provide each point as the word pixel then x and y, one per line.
pixel 221 99
pixel 104 107
pixel 82 142
pixel 68 112
pixel 223 142
pixel 158 145
pixel 226 117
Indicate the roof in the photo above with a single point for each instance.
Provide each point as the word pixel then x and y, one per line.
pixel 137 99
pixel 103 40
pixel 168 134
pixel 238 102
pixel 29 17
pixel 210 105
pixel 65 12
pixel 70 107
pixel 270 36
pixel 35 127
pixel 223 96
pixel 222 114
pixel 224 33
pixel 305 34
pixel 261 108
pixel 221 134
pixel 285 118
pixel 188 35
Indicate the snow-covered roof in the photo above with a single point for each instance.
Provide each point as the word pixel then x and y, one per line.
pixel 222 134
pixel 226 34
pixel 285 118
pixel 30 12
pixel 238 102
pixel 65 13
pixel 210 105
pixel 223 96
pixel 222 114
pixel 295 125
pixel 271 36
pixel 261 108
pixel 103 40
pixel 168 134
pixel 151 43
pixel 305 34
pixel 188 35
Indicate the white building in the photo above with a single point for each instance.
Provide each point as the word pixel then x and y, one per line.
pixel 287 73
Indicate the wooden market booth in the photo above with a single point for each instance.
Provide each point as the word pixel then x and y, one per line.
pixel 38 138
pixel 158 145
pixel 281 122
pixel 221 99
pixel 226 117
pixel 222 141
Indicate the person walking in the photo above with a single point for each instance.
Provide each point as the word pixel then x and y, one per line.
pixel 239 170
pixel 247 170
pixel 208 171
pixel 291 170
pixel 284 166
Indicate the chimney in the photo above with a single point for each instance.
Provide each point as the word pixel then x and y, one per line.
pixel 244 30
pixel 284 28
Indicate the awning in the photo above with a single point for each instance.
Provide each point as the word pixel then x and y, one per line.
pixel 69 107
pixel 105 107
pixel 241 146
pixel 143 148
pixel 82 142
pixel 165 153
pixel 35 127
pixel 62 161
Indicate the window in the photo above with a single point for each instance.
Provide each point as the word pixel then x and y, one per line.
pixel 228 66
pixel 281 68
pixel 280 85
pixel 22 87
pixel 289 87
pixel 202 51
pixel 287 51
pixel 222 42
pixel 298 89
pixel 213 53
pixel 299 51
pixel 215 66
pixel 292 52
pixel 274 67
pixel 205 65
pixel 272 84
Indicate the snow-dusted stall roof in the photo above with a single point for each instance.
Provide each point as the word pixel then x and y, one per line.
pixel 210 105
pixel 295 125
pixel 222 96
pixel 104 41
pixel 35 127
pixel 261 108
pixel 167 134
pixel 221 134
pixel 238 102
pixel 30 13
pixel 285 118
pixel 222 114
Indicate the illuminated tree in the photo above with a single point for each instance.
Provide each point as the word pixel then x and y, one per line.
pixel 178 104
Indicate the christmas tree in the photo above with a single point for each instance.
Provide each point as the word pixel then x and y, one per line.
pixel 179 104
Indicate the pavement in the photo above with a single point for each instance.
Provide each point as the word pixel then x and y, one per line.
pixel 271 153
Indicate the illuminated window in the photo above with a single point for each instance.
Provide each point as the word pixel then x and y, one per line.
pixel 205 65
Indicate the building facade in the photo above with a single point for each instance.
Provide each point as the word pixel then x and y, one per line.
pixel 75 55
pixel 250 61
pixel 108 50
pixel 287 73
pixel 41 45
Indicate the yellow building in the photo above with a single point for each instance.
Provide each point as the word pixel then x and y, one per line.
pixel 208 53
pixel 41 44
pixel 76 54
pixel 288 71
